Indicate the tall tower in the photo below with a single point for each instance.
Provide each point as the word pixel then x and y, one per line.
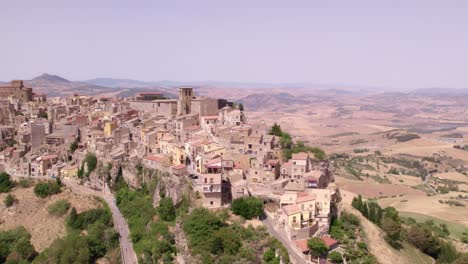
pixel 184 105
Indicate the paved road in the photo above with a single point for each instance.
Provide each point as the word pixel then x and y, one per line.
pixel 294 255
pixel 126 246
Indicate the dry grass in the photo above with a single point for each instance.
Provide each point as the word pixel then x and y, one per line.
pixel 430 206
pixel 31 212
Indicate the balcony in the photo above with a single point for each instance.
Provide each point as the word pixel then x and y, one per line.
pixel 211 188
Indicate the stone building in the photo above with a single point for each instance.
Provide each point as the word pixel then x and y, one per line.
pixel 184 104
pixel 16 89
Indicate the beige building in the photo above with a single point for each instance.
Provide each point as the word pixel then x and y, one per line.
pixel 16 89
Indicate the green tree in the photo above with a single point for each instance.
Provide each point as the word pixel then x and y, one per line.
pixel 166 209
pixel 9 200
pixel 44 189
pixel 392 229
pixel 247 207
pixel 448 253
pixel 74 146
pixel 317 246
pixel 365 210
pixel 241 107
pixel 6 184
pixel 91 162
pixel 335 257
pixel 59 208
pixel 73 216
pixel 276 130
pixel 423 239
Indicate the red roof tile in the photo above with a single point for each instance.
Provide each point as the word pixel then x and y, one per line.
pixel 330 242
pixel 300 156
pixel 291 209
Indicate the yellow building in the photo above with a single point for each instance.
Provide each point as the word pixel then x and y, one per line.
pixel 178 155
pixel 109 127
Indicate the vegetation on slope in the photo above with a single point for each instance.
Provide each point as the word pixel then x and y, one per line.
pixel 90 236
pixel 151 239
pixel 247 207
pixel 59 208
pixel 348 232
pixel 213 240
pixel 48 188
pixel 15 246
pixel 428 237
pixel 6 184
pixel 289 147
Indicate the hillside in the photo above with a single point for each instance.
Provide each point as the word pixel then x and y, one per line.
pixel 53 85
pixel 31 212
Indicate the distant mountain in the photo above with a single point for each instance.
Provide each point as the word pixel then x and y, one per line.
pixel 53 85
pixel 440 92
pixel 121 83
pixel 270 101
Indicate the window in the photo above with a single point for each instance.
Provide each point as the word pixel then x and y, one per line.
pixel 211 180
pixel 211 202
pixel 206 180
pixel 294 219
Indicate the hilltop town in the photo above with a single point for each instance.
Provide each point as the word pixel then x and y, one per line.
pixel 198 147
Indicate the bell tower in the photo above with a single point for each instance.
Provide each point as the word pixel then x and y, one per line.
pixel 184 105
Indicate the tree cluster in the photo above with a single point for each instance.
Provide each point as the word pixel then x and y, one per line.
pixel 15 246
pixel 6 184
pixel 213 240
pixel 83 247
pixel 289 147
pixel 427 237
pixel 348 232
pixel 247 207
pixel 152 239
pixel 44 189
pixel 91 163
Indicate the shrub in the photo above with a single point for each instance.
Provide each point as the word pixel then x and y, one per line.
pixel 85 219
pixel 16 242
pixel 166 209
pixel 335 257
pixel 25 183
pixel 74 146
pixel 247 207
pixel 59 208
pixel 44 189
pixel 9 200
pixel 6 184
pixel 317 246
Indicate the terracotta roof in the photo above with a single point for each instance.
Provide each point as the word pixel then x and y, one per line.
pixel 329 241
pixel 155 158
pixel 302 245
pixel 300 156
pixel 179 167
pixel 291 209
pixel 306 198
pixel 192 128
pixel 210 117
pixel 273 162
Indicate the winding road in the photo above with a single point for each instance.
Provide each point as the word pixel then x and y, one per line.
pixel 294 255
pixel 120 224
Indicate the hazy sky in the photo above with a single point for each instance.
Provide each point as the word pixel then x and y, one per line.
pixel 400 44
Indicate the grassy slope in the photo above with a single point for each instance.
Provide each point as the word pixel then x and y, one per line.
pixel 455 229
